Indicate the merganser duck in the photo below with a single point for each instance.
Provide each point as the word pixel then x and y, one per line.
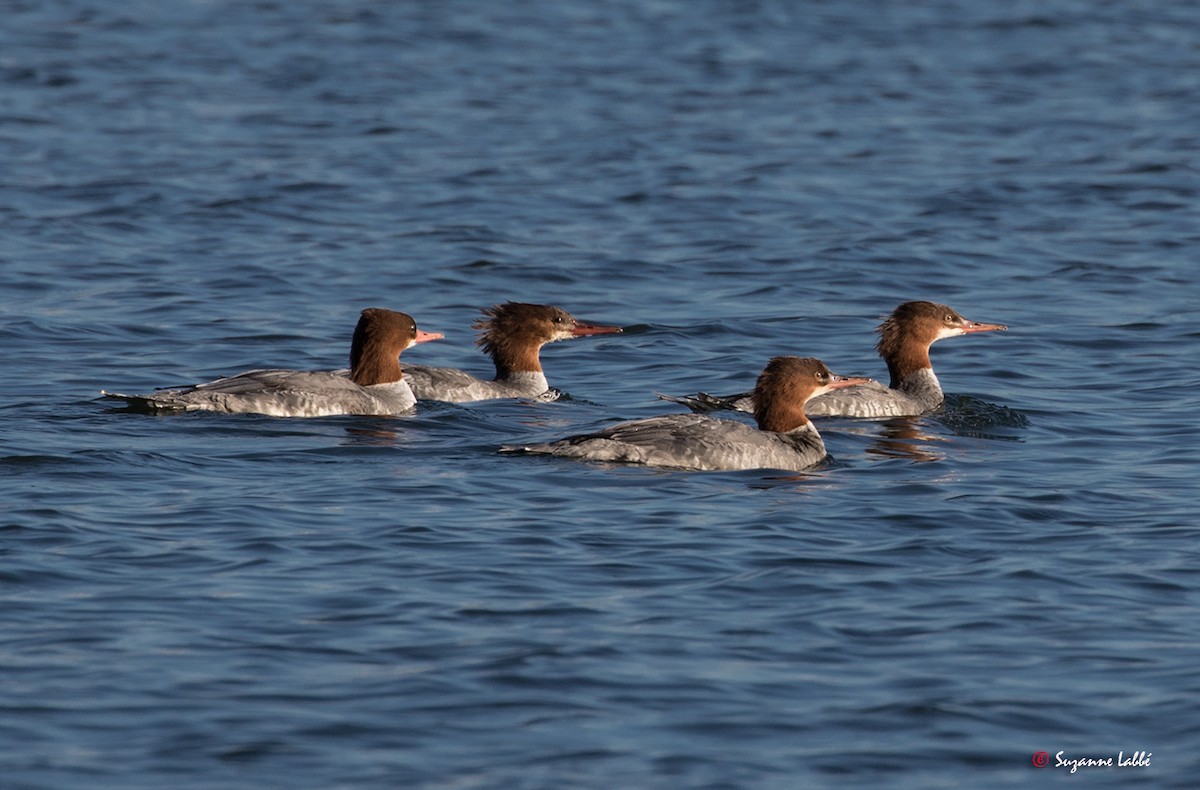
pixel 904 341
pixel 512 334
pixel 784 439
pixel 375 384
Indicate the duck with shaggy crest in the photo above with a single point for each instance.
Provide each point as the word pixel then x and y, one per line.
pixel 512 334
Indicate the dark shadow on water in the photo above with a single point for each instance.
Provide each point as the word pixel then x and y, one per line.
pixel 917 438
pixel 973 417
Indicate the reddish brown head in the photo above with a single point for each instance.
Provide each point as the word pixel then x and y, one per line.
pixel 379 338
pixel 786 384
pixel 906 335
pixel 513 333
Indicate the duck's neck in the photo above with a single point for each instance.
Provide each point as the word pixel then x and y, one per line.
pixel 373 365
pixel 514 358
pixel 780 415
pixel 906 360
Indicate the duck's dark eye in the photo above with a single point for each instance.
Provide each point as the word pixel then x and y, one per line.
pixel 558 319
pixel 951 318
pixel 822 376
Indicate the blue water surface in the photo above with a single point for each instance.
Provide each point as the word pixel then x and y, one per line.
pixel 198 188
